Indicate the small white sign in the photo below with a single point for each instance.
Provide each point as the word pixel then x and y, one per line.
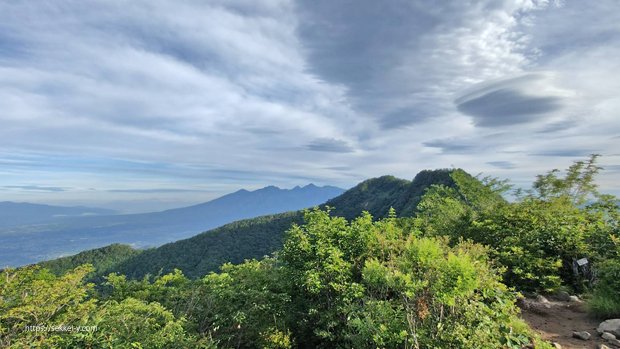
pixel 581 262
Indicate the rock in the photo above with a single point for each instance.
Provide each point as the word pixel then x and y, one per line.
pixel 556 345
pixel 562 296
pixel 614 342
pixel 583 335
pixel 602 346
pixel 608 336
pixel 574 299
pixel 534 306
pixel 540 308
pixel 612 326
pixel 542 299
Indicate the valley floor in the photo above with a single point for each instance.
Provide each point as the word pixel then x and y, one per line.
pixel 557 320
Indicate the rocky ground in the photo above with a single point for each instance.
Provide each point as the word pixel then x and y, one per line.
pixel 557 320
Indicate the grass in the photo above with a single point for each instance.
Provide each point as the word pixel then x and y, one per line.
pixel 605 303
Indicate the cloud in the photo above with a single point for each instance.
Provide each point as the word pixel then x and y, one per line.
pixel 155 190
pixel 558 126
pixel 36 188
pixel 180 75
pixel 504 165
pixel 451 146
pixel 508 102
pixel 612 168
pixel 506 107
pixel 401 62
pixel 330 145
pixel 340 168
pixel 573 153
pixel 476 143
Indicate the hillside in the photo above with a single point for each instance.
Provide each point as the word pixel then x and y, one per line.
pixel 65 236
pixel 104 258
pixel 377 195
pixel 260 236
pixel 206 252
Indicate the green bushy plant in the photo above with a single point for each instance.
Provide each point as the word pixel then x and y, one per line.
pixel 33 296
pixel 537 237
pixel 605 301
pixel 376 285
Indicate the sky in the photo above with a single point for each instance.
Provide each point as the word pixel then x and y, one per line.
pixel 145 105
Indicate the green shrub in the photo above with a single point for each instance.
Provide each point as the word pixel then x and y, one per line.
pixel 605 301
pixel 376 285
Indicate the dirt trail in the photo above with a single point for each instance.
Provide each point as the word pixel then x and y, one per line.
pixel 556 322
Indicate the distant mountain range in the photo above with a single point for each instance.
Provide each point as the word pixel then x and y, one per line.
pixel 57 231
pixel 256 237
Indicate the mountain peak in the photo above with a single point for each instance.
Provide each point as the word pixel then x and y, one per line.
pixel 377 195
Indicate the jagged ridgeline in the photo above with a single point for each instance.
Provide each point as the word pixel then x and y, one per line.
pixel 256 237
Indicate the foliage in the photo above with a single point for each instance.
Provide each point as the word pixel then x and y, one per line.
pixel 577 185
pixel 449 211
pixel 605 215
pixel 137 323
pixel 377 284
pixel 536 238
pixel 33 296
pixel 247 306
pixel 378 195
pixel 102 259
pixel 605 300
pixel 206 252
pixel 39 309
pixel 362 284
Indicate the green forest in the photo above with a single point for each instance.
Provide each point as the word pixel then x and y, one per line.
pixel 388 264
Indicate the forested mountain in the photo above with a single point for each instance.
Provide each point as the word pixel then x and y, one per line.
pixel 206 252
pixel 103 258
pixel 32 243
pixel 20 213
pixel 378 195
pixel 257 237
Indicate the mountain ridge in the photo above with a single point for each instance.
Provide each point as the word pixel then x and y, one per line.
pixel 260 236
pixel 32 243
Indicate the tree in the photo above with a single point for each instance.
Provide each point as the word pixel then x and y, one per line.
pixel 34 304
pixel 245 306
pixel 39 309
pixel 577 185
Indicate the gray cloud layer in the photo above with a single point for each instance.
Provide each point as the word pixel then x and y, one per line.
pixel 35 188
pixel 330 145
pixel 508 102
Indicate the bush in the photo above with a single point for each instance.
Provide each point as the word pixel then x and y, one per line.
pixel 374 284
pixel 605 301
pixel 536 241
pixel 35 297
